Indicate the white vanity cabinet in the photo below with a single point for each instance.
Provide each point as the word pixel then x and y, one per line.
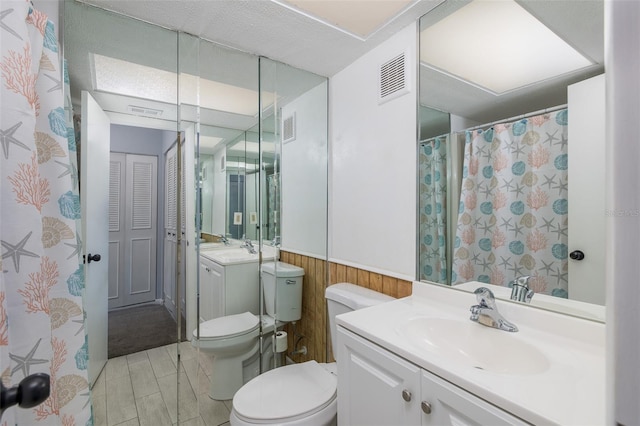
pixel 377 387
pixel 227 289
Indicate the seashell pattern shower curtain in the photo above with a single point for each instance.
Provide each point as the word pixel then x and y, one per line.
pixel 432 209
pixel 41 309
pixel 513 205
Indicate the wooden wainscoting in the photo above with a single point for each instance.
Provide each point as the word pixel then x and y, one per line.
pixel 313 325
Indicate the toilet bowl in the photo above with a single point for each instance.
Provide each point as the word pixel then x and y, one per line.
pixel 296 395
pixel 301 394
pixel 233 339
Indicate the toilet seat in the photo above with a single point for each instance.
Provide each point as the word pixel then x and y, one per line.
pixel 228 326
pixel 286 394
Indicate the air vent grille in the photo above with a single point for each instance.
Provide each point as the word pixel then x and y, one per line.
pixel 289 128
pixel 393 78
pixel 147 112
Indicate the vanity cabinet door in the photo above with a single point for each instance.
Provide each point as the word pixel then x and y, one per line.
pixel 375 387
pixel 211 289
pixel 444 404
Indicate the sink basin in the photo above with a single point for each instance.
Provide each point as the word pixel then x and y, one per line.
pixel 475 345
pixel 235 255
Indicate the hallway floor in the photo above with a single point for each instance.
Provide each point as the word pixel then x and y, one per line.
pixel 140 389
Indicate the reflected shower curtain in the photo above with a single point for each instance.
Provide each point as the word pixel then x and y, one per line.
pixel 432 209
pixel 41 310
pixel 513 205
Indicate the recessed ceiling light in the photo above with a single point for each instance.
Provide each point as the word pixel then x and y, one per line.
pixel 355 17
pixel 497 46
pixel 140 81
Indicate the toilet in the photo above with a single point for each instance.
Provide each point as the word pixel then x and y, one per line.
pixel 234 340
pixel 305 393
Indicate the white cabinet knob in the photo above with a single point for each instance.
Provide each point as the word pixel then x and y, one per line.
pixel 426 407
pixel 406 395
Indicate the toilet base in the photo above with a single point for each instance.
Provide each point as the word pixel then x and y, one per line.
pixel 227 375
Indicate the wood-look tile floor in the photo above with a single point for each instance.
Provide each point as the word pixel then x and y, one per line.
pixel 142 389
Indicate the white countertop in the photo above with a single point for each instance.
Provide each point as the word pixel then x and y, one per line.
pixel 570 392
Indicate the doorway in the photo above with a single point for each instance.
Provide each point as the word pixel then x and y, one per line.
pixel 133 208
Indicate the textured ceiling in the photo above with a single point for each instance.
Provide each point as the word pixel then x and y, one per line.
pixel 266 28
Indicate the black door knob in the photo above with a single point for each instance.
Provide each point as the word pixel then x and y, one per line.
pixel 91 257
pixel 576 255
pixel 31 391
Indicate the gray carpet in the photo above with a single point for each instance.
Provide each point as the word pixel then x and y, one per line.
pixel 140 328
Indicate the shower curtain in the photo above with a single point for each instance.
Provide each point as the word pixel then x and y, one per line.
pixel 432 209
pixel 41 309
pixel 513 205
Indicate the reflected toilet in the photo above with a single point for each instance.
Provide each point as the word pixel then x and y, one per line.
pixel 234 340
pixel 305 393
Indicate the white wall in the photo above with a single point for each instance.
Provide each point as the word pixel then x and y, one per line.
pixel 304 176
pixel 372 204
pixel 622 62
pixel 219 194
pixel 206 163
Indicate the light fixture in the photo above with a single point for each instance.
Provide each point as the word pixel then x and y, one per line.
pixel 359 18
pixel 498 46
pixel 130 79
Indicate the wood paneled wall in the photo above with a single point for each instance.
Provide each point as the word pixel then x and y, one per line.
pixel 312 329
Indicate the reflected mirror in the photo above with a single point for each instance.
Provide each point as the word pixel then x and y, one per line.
pixel 500 123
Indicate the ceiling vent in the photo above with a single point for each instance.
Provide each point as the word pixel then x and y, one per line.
pixel 146 112
pixel 289 128
pixel 393 79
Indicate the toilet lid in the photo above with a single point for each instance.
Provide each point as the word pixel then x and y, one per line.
pixel 228 326
pixel 286 393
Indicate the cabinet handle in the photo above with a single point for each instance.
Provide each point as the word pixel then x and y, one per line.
pixel 406 395
pixel 426 407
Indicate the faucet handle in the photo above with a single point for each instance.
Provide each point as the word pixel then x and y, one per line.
pixel 485 297
pixel 520 290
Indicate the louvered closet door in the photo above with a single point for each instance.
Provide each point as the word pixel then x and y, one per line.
pixel 132 224
pixel 117 199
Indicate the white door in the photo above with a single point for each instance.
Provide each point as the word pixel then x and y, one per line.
pixel 94 185
pixel 587 223
pixel 132 229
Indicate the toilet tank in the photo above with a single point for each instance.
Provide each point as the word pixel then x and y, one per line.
pixel 282 290
pixel 346 297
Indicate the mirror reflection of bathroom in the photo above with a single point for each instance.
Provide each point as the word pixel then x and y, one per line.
pixel 273 179
pixel 497 199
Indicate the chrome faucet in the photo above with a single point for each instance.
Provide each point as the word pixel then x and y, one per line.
pixel 249 246
pixel 486 311
pixel 520 290
pixel 224 239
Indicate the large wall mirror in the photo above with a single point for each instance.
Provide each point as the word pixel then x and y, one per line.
pixel 505 189
pixel 237 148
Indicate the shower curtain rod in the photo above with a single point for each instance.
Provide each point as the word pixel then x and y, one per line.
pixel 517 117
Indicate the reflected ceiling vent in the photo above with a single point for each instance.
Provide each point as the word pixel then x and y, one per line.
pixel 289 128
pixel 393 79
pixel 146 112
